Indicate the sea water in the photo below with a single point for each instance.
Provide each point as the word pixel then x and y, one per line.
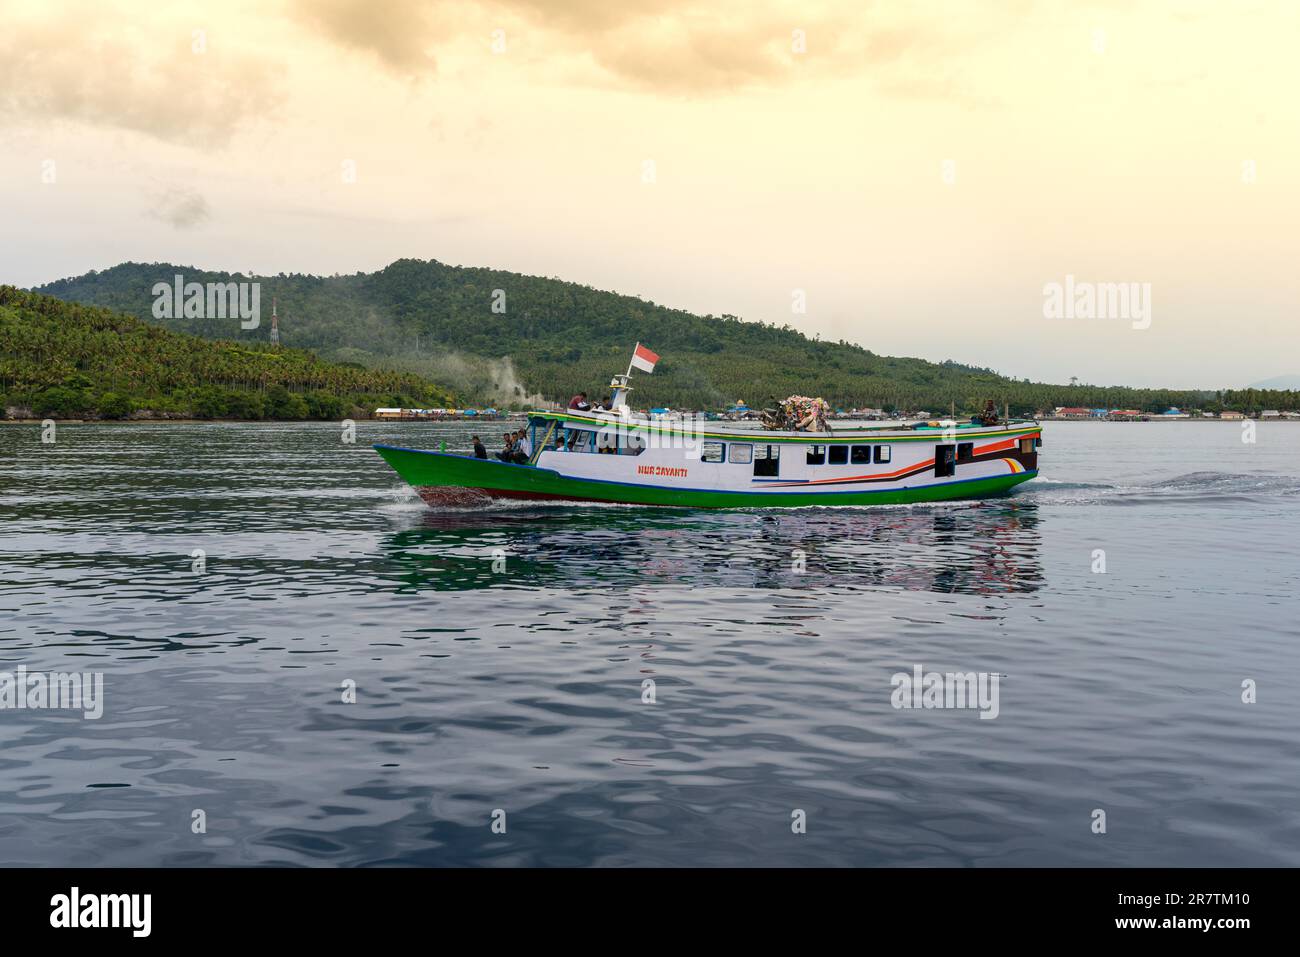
pixel 303 664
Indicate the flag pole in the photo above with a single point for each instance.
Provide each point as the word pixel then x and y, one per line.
pixel 621 388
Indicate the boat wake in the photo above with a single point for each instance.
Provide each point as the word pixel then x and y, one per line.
pixel 1224 488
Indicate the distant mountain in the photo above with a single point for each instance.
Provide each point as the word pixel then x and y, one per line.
pixel 1277 382
pixel 68 360
pixel 508 338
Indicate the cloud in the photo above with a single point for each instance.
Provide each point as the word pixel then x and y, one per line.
pixel 678 57
pixel 108 65
pixel 703 53
pixel 673 47
pixel 397 32
pixel 97 66
pixel 180 208
pixel 594 17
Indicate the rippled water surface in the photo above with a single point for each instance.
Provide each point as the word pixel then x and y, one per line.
pixel 521 689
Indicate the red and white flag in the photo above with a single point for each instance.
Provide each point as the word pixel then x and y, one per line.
pixel 644 359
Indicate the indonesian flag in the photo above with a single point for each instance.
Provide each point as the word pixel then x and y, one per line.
pixel 644 359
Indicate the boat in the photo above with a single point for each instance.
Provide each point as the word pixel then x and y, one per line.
pixel 619 456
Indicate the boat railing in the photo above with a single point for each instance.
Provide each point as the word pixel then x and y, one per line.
pixel 538 447
pixel 636 421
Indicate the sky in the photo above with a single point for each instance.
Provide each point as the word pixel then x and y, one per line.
pixel 913 177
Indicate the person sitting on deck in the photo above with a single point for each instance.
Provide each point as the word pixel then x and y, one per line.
pixel 579 402
pixel 480 450
pixel 989 416
pixel 603 405
pixel 523 449
pixel 509 447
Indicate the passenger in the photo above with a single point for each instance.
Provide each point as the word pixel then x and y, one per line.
pixel 480 450
pixel 507 448
pixel 559 441
pixel 579 402
pixel 523 449
pixel 603 405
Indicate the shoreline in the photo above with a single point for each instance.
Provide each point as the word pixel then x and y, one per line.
pixel 1155 419
pixel 515 415
pixel 333 422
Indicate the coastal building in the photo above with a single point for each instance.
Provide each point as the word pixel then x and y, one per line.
pixel 1232 416
pixel 1270 414
pixel 1072 412
pixel 426 415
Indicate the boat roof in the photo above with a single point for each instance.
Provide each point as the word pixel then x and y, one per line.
pixel 898 431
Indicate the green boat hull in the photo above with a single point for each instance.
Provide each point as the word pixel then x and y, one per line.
pixel 457 480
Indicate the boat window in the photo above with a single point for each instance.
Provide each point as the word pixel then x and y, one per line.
pixel 582 440
pixel 1026 445
pixel 612 440
pixel 883 453
pixel 816 454
pixel 741 453
pixel 837 455
pixel 712 451
pixel 965 451
pixel 861 455
pixel 945 460
pixel 767 460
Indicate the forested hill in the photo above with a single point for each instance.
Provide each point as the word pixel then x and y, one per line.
pixel 508 338
pixel 68 360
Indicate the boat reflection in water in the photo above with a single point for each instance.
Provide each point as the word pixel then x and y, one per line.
pixel 988 548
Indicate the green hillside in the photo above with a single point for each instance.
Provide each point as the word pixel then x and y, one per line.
pixel 62 359
pixel 555 338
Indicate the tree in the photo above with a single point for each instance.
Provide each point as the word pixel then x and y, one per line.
pixel 114 405
pixel 61 402
pixel 210 403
